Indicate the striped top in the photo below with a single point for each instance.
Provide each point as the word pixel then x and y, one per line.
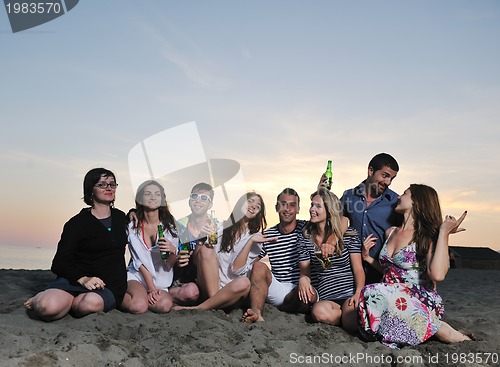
pixel 337 282
pixel 283 254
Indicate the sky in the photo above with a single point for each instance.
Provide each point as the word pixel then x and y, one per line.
pixel 278 86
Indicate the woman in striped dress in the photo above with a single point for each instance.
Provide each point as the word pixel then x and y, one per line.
pixel 331 286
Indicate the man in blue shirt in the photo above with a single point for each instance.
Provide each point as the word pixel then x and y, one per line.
pixel 369 207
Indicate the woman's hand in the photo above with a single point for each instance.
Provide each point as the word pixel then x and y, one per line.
pixel 368 243
pixel 354 300
pixel 153 296
pixel 306 290
pixel 166 246
pixel 327 249
pixel 183 257
pixel 132 217
pixel 91 283
pixel 259 238
pixel 452 225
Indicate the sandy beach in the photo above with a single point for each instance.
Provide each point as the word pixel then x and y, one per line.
pixel 214 338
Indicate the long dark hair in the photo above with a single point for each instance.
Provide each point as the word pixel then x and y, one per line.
pixel 166 218
pixel 427 219
pixel 233 227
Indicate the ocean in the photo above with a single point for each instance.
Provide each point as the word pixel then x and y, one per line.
pixel 25 257
pixel 30 258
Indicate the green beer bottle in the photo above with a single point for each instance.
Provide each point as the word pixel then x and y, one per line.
pixel 329 175
pixel 186 246
pixel 212 237
pixel 164 254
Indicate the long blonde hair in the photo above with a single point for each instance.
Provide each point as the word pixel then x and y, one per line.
pixel 333 219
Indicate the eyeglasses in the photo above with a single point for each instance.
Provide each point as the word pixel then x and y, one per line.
pixel 203 197
pixel 105 185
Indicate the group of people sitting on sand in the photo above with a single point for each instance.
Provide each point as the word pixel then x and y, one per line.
pixel 368 262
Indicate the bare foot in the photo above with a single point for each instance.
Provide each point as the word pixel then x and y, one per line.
pixel 29 304
pixel 449 335
pixel 468 335
pixel 250 316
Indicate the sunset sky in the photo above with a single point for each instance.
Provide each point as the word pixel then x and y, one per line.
pixel 278 86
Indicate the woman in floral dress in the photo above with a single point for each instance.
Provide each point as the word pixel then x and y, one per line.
pixel 406 309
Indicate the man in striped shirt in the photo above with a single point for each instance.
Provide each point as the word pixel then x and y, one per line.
pixel 272 285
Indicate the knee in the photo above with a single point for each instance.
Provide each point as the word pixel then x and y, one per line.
pixel 205 253
pixel 190 292
pixel 325 314
pixel 166 305
pixel 90 304
pixel 260 271
pixel 259 268
pixel 242 286
pixel 46 307
pixel 137 307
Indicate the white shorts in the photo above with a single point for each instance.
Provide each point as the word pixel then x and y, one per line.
pixel 278 291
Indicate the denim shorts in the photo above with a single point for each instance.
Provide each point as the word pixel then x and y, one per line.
pixel 64 284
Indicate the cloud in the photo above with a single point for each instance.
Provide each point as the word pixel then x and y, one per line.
pixel 468 193
pixel 191 59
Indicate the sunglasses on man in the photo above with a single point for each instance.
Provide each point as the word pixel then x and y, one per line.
pixel 202 197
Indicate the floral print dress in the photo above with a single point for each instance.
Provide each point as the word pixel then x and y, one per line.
pixel 404 309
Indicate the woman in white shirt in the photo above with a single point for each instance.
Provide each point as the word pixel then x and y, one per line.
pixel 149 275
pixel 238 246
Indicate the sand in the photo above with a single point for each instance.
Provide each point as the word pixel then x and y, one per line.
pixel 214 338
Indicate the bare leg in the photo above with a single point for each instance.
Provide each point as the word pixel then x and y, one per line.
pixel 447 334
pixel 163 304
pixel 327 312
pixel 228 296
pixel 260 282
pixel 136 299
pixel 87 303
pixel 207 264
pixel 50 305
pixel 350 318
pixel 186 294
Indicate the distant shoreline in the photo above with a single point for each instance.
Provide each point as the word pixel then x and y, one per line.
pixel 26 257
pixel 29 257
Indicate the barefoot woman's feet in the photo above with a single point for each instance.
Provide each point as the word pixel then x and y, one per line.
pixel 250 316
pixel 468 335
